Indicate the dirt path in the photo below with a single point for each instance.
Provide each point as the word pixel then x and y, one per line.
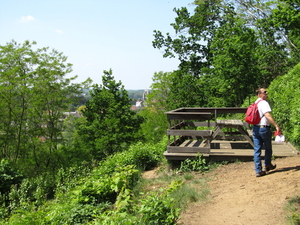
pixel 239 198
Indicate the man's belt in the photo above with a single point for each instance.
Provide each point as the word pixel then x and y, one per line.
pixel 262 126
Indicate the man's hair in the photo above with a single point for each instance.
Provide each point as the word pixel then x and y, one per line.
pixel 258 91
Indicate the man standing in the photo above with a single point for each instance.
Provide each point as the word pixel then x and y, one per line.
pixel 262 134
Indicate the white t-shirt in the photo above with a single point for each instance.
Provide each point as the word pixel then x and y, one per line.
pixel 263 107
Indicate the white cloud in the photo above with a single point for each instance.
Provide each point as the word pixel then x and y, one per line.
pixel 25 19
pixel 58 31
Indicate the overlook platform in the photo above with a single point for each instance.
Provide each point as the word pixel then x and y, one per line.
pixel 231 151
pixel 197 130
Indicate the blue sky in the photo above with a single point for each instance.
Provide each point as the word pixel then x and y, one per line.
pixel 96 35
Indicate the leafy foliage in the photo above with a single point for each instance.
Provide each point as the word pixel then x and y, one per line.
pixel 34 94
pixel 285 19
pixel 197 164
pixel 159 208
pixel 227 49
pixel 236 72
pixel 80 196
pixel 286 105
pixel 155 121
pixel 292 209
pixel 8 177
pixel 110 125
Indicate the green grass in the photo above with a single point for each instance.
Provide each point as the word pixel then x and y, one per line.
pixel 292 211
pixel 193 189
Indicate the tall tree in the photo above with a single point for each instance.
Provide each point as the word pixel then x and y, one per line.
pixel 160 90
pixel 34 93
pixel 236 63
pixel 185 91
pixel 273 52
pixel 194 35
pixel 110 123
pixel 229 47
pixel 285 19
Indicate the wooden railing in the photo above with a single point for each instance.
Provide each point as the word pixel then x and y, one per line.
pixel 183 124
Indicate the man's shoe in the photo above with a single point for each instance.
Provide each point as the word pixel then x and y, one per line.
pixel 270 167
pixel 260 174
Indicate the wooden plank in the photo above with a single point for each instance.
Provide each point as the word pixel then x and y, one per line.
pixel 190 132
pixel 189 143
pixel 177 141
pixel 228 150
pixel 230 122
pixel 192 143
pixel 178 126
pixel 218 110
pixel 247 125
pixel 286 150
pixel 230 137
pixel 200 124
pixel 178 149
pixel 196 143
pixel 246 136
pixel 189 115
pixel 181 156
pixel 249 133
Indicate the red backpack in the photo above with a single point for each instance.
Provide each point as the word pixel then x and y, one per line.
pixel 252 114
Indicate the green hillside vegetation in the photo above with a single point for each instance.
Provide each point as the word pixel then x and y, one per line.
pixel 87 169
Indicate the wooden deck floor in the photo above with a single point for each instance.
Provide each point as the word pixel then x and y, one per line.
pixel 232 150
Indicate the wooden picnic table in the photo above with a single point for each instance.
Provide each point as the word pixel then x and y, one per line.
pixel 237 124
pixel 183 121
pixel 197 130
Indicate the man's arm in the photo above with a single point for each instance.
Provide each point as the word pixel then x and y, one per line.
pixel 271 120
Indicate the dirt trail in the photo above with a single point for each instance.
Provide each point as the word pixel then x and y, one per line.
pixel 239 198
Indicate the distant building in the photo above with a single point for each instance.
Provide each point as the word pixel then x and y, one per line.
pixel 138 104
pixel 146 92
pixel 67 114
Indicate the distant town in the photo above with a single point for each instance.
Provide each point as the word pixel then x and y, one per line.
pixel 138 98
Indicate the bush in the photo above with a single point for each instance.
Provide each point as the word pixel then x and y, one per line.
pixel 80 196
pixel 8 177
pixel 159 208
pixel 143 156
pixel 284 95
pixel 198 164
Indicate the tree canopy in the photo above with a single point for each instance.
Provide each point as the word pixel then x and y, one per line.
pixel 229 48
pixel 110 123
pixel 34 94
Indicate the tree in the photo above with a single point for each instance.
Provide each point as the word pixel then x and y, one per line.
pixel 192 46
pixel 155 121
pixel 229 47
pixel 34 94
pixel 110 123
pixel 184 91
pixel 160 90
pixel 236 63
pixel 285 19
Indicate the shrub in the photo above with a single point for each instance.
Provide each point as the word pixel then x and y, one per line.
pixel 101 188
pixel 198 164
pixel 159 208
pixel 8 176
pixel 143 156
pixel 286 105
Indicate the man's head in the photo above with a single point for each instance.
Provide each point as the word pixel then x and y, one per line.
pixel 262 93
